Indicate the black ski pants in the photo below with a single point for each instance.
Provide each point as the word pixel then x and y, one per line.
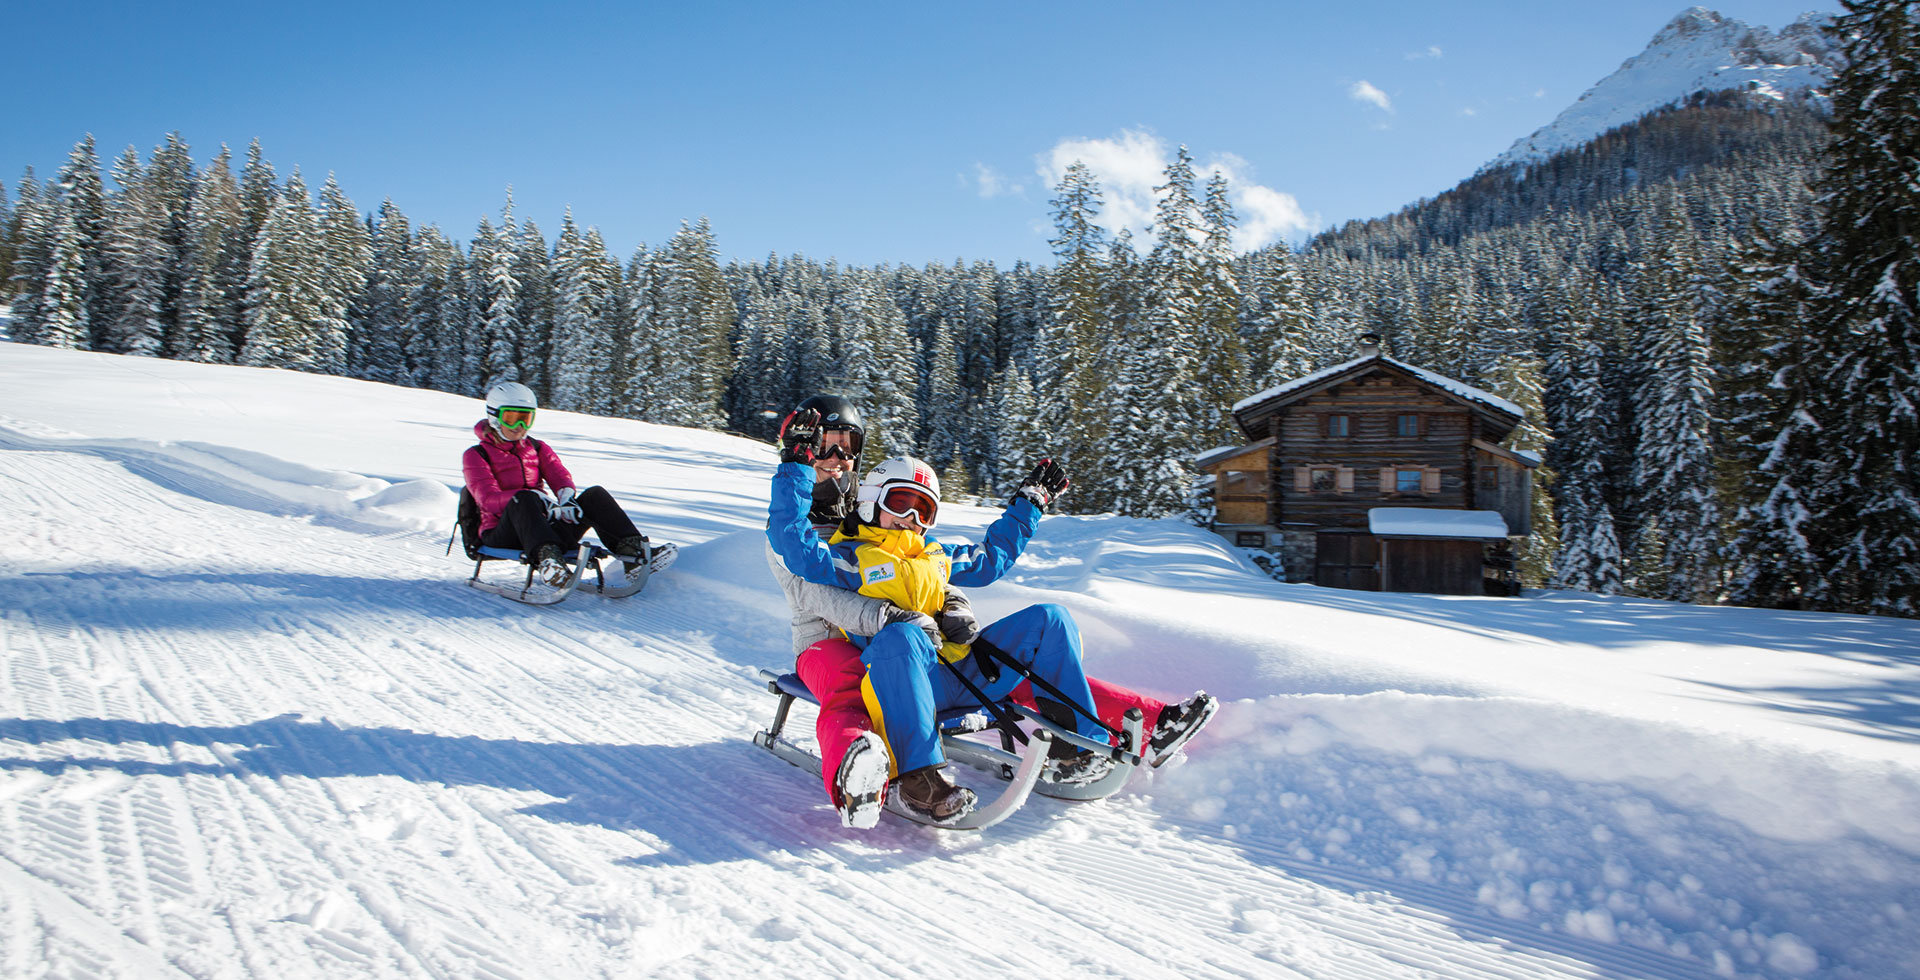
pixel 524 524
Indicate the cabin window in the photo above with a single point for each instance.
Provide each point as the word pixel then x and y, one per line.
pixel 1490 478
pixel 1251 483
pixel 1339 426
pixel 1407 481
pixel 1323 479
pixel 1407 425
pixel 1250 539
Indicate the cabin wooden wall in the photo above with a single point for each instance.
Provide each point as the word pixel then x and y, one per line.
pixel 1372 405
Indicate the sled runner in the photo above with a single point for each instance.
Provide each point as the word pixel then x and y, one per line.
pixel 613 577
pixel 1025 772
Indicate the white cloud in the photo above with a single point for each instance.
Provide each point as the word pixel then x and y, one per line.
pixel 1363 91
pixel 992 184
pixel 1469 111
pixel 1433 51
pixel 1131 164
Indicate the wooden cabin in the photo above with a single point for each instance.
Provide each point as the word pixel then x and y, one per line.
pixel 1335 458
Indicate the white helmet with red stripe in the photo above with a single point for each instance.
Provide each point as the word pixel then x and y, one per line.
pixel 901 485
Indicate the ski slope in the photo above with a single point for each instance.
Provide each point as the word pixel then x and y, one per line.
pixel 253 725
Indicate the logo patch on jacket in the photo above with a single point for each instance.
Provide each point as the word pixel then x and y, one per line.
pixel 882 572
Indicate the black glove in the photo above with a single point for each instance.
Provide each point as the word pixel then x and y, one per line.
pixel 895 614
pixel 1044 485
pixel 956 619
pixel 800 436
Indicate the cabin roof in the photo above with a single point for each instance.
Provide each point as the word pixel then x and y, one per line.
pixel 1253 408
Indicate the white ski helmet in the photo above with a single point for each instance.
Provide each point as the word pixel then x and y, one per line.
pixel 900 486
pixel 509 395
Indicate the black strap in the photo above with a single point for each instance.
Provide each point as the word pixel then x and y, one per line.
pixel 981 646
pixel 1000 714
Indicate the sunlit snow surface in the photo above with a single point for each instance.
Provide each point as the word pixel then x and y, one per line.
pixel 252 724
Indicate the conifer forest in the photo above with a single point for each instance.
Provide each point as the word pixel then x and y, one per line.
pixel 1709 315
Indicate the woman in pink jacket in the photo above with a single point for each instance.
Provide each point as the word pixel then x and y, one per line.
pixel 505 472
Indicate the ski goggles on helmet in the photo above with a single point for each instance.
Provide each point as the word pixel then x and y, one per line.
pixel 514 416
pixel 905 500
pixel 849 451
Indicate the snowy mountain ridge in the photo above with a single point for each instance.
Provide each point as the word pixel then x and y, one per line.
pixel 1698 51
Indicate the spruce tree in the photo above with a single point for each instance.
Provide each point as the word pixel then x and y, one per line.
pixel 287 303
pixel 136 259
pixel 212 294
pixel 346 252
pixel 1864 263
pixel 1069 367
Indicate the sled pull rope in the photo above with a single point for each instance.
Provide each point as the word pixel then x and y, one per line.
pixel 995 653
pixel 1003 720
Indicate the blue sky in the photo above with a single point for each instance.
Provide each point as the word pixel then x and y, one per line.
pixel 866 132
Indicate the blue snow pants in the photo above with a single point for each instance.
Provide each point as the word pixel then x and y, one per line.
pixel 909 686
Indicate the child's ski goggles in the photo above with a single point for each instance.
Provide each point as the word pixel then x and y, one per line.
pixel 514 417
pixel 910 500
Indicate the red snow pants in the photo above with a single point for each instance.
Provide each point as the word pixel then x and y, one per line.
pixel 832 670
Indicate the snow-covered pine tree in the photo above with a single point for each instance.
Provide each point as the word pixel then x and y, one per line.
pixel 1162 409
pixel 497 298
pixel 8 234
pixel 1676 553
pixel 85 195
pixel 385 321
pixel 34 219
pixel 876 369
pixel 582 302
pixel 1768 445
pixel 698 311
pixel 533 267
pixel 1070 368
pixel 287 306
pixel 444 310
pixel 347 257
pixel 1519 379
pixel 213 293
pixel 136 260
pixel 61 308
pixel 1577 412
pixel 1222 362
pixel 640 345
pixel 1274 319
pixel 1019 440
pixel 1864 262
pixel 170 180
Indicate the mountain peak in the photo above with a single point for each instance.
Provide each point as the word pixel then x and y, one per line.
pixel 1700 50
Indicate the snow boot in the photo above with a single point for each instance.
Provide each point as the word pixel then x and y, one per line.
pixel 860 785
pixel 631 549
pixel 927 791
pixel 1081 767
pixel 1178 723
pixel 551 566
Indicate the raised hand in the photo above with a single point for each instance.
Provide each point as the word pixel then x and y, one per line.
pixel 1044 485
pixel 800 436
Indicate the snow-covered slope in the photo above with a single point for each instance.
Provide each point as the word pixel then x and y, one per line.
pixel 251 724
pixel 1700 51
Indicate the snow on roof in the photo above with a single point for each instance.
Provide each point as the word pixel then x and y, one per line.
pixel 1462 389
pixel 1215 455
pixel 1430 522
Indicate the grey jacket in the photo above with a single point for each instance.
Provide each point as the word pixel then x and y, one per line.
pixel 819 609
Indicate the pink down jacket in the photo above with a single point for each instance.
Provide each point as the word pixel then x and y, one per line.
pixel 497 469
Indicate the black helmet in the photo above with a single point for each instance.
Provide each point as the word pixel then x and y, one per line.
pixel 838 413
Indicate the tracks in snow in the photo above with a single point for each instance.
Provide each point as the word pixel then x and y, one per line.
pixel 235 743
